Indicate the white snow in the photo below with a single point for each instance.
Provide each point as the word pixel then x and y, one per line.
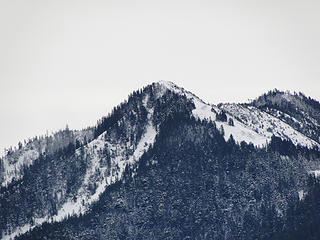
pixel 21 230
pixel 316 173
pixel 204 111
pixel 241 133
pixel 18 231
pixel 95 174
pixel 26 155
pixel 118 164
pixel 301 194
pixel 14 170
pixel 98 174
pixel 255 127
pixel 266 125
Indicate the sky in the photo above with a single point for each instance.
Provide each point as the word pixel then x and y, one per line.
pixel 70 62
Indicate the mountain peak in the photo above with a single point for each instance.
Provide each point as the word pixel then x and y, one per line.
pixel 171 86
pixel 166 83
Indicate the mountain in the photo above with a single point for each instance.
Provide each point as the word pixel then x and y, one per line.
pixel 166 165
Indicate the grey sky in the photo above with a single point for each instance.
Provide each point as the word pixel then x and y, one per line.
pixel 72 61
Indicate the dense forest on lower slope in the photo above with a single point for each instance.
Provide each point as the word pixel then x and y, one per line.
pixel 192 184
pixel 44 186
pixel 303 217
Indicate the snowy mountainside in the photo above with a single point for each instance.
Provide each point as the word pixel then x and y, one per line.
pixel 16 159
pixel 108 159
pixel 250 124
pixel 266 124
pixel 290 103
pixel 119 140
pixel 192 184
pixel 299 111
pixel 255 124
pixel 102 154
pixel 209 112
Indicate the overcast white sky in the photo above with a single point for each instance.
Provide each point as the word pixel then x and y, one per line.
pixel 69 62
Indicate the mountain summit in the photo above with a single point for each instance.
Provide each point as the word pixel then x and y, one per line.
pixel 165 164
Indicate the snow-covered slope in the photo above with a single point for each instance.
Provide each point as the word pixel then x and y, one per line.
pixel 266 125
pixel 208 111
pixel 108 153
pixel 296 109
pixel 107 158
pixel 103 174
pixel 250 124
pixel 13 163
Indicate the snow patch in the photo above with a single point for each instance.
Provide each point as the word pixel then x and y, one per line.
pixel 267 125
pixel 18 231
pixel 13 171
pixel 21 230
pixel 316 173
pixel 301 195
pixel 239 131
pixel 98 173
